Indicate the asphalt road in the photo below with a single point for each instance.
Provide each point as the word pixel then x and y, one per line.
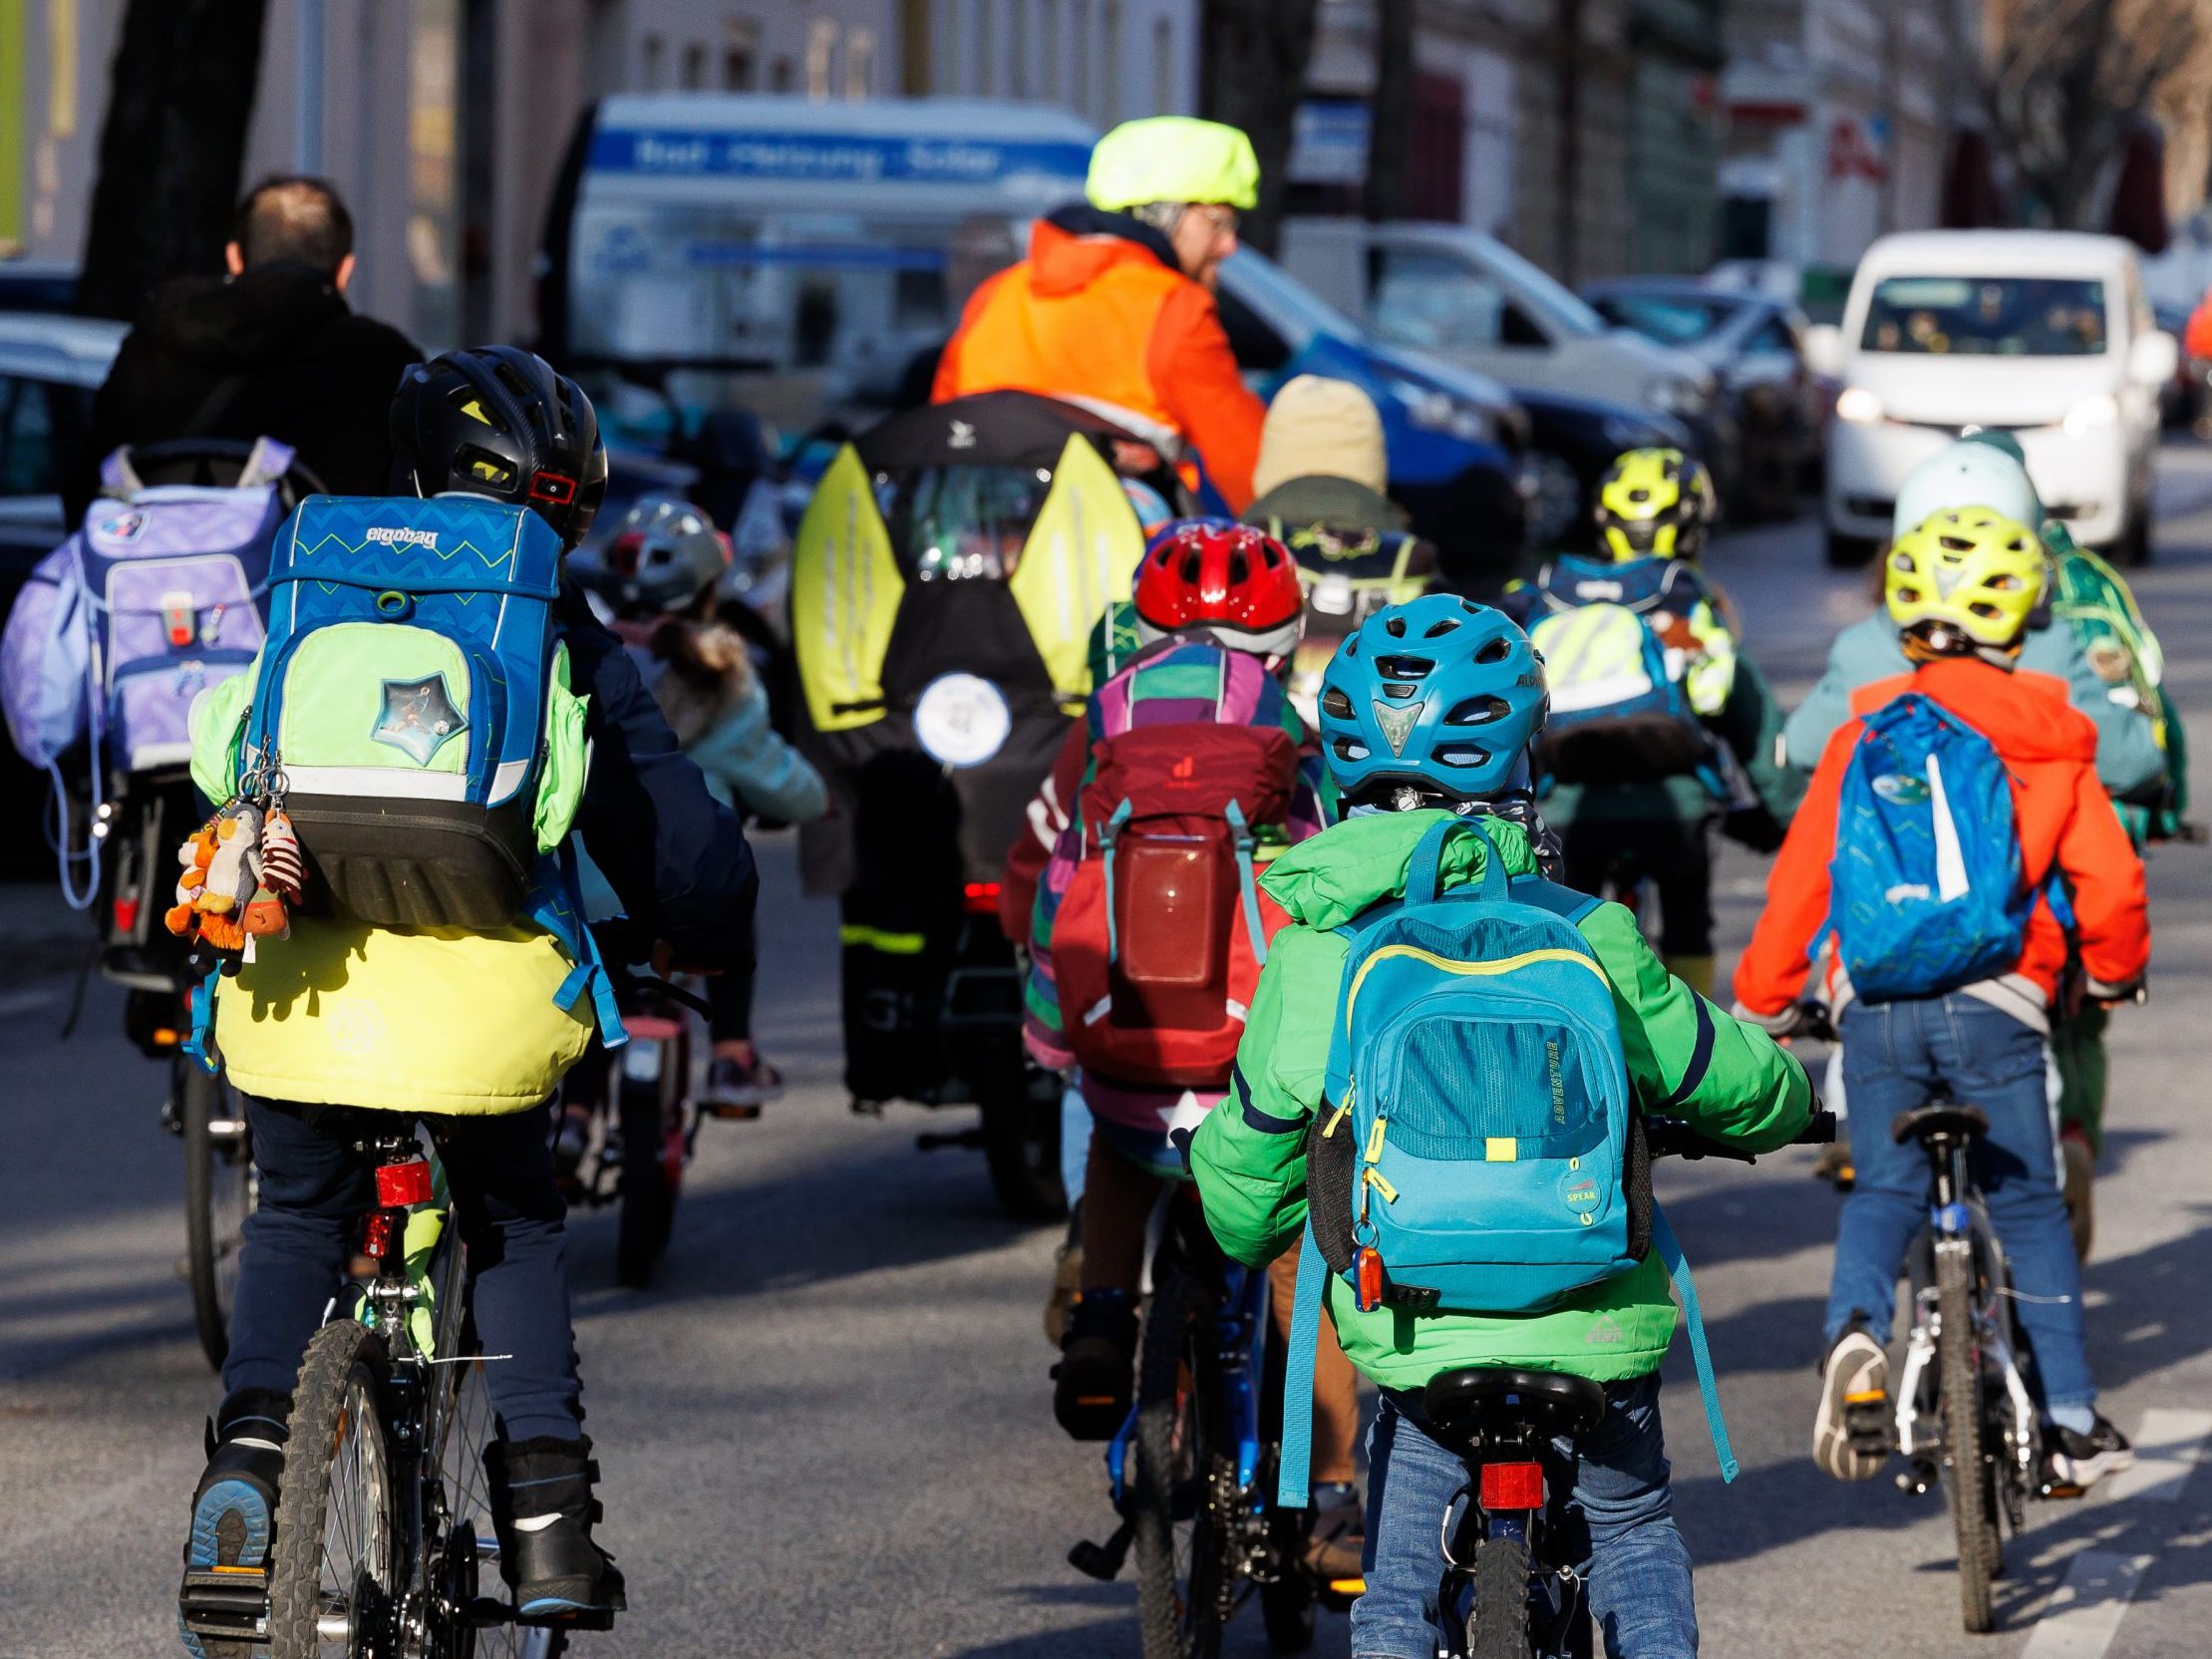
pixel 826 1432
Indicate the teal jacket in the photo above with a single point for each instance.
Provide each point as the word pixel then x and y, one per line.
pixel 1727 1079
pixel 2128 757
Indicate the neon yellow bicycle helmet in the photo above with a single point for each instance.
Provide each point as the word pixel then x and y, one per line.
pixel 1654 503
pixel 1970 573
pixel 1173 158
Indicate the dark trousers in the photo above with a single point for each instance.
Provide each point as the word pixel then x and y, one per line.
pixel 314 1191
pixel 729 997
pixel 1610 858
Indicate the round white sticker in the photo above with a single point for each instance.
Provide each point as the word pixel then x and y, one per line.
pixel 962 720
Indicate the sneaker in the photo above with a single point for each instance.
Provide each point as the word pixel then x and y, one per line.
pixel 740 1088
pixel 1097 1375
pixel 542 1510
pixel 2084 1460
pixel 231 1513
pixel 2079 1164
pixel 1851 1432
pixel 1339 1533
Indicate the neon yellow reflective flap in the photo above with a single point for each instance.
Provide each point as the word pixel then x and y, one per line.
pixel 845 593
pixel 1081 556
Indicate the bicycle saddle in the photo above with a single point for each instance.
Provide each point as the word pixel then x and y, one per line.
pixel 1938 1118
pixel 1470 1399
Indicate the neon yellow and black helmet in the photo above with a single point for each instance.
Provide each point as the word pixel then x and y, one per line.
pixel 1967 577
pixel 1654 503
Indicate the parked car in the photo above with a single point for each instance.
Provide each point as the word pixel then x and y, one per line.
pixel 1753 344
pixel 805 258
pixel 2181 401
pixel 2047 334
pixel 50 365
pixel 1446 291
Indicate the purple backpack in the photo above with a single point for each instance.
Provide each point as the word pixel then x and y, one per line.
pixel 154 599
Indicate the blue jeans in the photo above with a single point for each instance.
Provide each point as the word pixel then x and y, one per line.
pixel 314 1191
pixel 1897 1056
pixel 1636 1565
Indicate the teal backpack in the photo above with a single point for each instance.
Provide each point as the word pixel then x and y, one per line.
pixel 1479 1148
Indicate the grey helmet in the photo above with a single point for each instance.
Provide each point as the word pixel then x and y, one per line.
pixel 658 558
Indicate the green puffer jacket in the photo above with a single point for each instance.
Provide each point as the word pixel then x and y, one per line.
pixel 1729 1080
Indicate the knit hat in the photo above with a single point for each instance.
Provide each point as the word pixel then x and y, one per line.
pixel 1322 427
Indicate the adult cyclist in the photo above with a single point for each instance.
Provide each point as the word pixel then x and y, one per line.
pixel 1114 308
pixel 501 423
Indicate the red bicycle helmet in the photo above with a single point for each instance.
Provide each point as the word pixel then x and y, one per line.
pixel 1233 583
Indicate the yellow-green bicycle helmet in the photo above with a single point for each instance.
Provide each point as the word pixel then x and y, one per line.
pixel 1173 158
pixel 1971 573
pixel 1654 503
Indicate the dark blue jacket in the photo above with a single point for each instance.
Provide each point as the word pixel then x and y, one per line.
pixel 675 856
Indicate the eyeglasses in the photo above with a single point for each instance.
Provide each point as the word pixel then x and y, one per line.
pixel 1224 220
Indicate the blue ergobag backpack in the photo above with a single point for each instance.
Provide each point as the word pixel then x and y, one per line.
pixel 1478 1101
pixel 1926 890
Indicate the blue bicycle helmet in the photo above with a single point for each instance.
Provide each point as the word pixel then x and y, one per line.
pixel 1438 693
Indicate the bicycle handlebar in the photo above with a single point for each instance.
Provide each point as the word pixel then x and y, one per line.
pixel 1672 1137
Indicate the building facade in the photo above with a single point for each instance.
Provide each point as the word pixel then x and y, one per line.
pixel 445 123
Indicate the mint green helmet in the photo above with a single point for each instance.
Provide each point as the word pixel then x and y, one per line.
pixel 1974 471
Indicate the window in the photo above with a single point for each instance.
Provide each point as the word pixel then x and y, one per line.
pixel 780 76
pixel 39 424
pixel 1987 316
pixel 859 63
pixel 1419 298
pixel 1671 319
pixel 1110 91
pixel 651 49
pixel 1017 48
pixel 1772 336
pixel 1257 347
pixel 694 67
pixel 982 55
pixel 1163 66
pixel 1047 30
pixel 822 47
pixel 741 48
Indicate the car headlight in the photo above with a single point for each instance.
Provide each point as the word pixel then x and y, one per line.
pixel 1673 395
pixel 1858 406
pixel 1438 411
pixel 2103 410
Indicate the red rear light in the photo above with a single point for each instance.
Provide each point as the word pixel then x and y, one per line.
pixel 127 915
pixel 980 899
pixel 401 1185
pixel 376 1235
pixel 1513 1485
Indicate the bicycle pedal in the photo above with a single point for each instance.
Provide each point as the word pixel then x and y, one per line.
pixel 225 1603
pixel 2062 1492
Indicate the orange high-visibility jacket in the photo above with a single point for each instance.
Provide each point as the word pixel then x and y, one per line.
pixel 1099 319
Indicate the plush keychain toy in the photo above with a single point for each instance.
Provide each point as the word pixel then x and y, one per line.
pixel 241 870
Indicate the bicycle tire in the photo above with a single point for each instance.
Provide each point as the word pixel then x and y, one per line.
pixel 219 1195
pixel 1498 1626
pixel 336 1405
pixel 1021 1145
pixel 649 1177
pixel 1287 1608
pixel 1972 1502
pixel 1175 1620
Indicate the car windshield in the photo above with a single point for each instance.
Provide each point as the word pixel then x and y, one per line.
pixel 1987 316
pixel 1294 310
pixel 1671 319
pixel 1541 293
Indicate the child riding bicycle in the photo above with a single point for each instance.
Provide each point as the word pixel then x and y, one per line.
pixel 1427 714
pixel 467 1027
pixel 1945 979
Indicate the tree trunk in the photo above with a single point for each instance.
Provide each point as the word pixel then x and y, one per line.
pixel 181 96
pixel 1252 74
pixel 1389 132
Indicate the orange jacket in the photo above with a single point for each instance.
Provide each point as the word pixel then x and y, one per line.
pixel 1101 319
pixel 2064 818
pixel 2197 341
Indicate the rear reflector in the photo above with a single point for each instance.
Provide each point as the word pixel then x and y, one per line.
pixel 401 1185
pixel 980 899
pixel 1513 1485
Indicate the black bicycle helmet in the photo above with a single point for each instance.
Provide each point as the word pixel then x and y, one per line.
pixel 498 421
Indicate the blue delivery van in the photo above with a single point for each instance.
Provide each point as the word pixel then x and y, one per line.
pixel 807 259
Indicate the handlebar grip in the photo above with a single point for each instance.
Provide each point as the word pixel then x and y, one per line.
pixel 1820 1131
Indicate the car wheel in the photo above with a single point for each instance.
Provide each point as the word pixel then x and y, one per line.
pixel 1847 552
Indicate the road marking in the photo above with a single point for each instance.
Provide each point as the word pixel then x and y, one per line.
pixel 2167 1448
pixel 2084 1614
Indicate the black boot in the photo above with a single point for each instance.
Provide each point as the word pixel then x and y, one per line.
pixel 233 1508
pixel 1094 1381
pixel 542 1510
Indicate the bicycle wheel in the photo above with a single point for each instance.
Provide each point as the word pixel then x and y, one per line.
pixel 1972 1498
pixel 1180 1550
pixel 1021 1141
pixel 1498 1626
pixel 652 1118
pixel 334 1575
pixel 219 1195
pixel 464 1548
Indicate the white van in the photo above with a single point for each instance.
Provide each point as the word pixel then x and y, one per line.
pixel 2047 334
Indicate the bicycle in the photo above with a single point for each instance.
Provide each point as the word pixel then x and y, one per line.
pixel 1964 1417
pixel 1510 1589
pixel 640 1117
pixel 1193 1469
pixel 382 1526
